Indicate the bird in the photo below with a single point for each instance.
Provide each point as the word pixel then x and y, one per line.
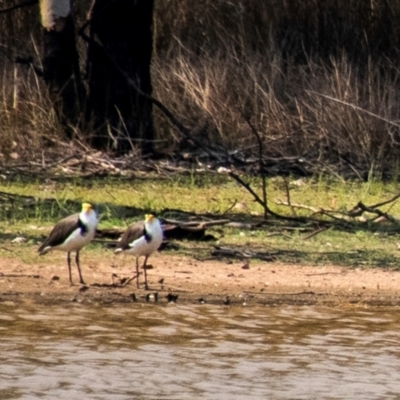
pixel 141 239
pixel 172 298
pixel 152 296
pixel 72 234
pixel 227 300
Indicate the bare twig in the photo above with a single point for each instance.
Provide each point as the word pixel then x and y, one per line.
pixel 287 189
pixel 315 210
pixel 383 203
pixel 378 212
pixel 239 180
pixel 328 273
pixel 230 207
pixel 260 164
pixel 27 3
pixel 317 232
pixel 388 121
pixel 197 224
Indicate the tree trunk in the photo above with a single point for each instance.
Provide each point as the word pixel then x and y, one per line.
pixel 61 62
pixel 120 46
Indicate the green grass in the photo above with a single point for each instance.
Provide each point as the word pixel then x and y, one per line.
pixel 121 201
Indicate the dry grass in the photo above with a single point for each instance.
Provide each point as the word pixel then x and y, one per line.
pixel 335 114
pixel 27 121
pixel 310 91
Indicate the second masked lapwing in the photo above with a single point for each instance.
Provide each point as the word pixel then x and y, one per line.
pixel 142 239
pixel 72 234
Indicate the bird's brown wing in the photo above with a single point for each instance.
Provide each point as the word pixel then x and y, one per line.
pixel 61 231
pixel 132 233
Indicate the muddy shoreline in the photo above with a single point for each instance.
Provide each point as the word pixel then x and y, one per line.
pixel 195 282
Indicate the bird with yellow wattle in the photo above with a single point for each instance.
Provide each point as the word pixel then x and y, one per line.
pixel 141 239
pixel 72 234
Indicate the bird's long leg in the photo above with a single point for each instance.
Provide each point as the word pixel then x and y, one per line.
pixel 79 268
pixel 137 272
pixel 135 276
pixel 145 273
pixel 69 267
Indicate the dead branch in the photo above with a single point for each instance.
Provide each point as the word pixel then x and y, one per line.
pixel 383 203
pixel 333 214
pixel 354 107
pixel 356 212
pixel 20 275
pixel 221 252
pixel 260 164
pixel 315 210
pixel 363 208
pixel 230 208
pixel 317 232
pixel 25 4
pixel 257 198
pixel 197 224
pixel 359 208
pixel 327 273
pixel 241 182
pixel 287 189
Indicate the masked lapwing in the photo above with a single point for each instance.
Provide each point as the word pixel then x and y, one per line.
pixel 142 239
pixel 72 234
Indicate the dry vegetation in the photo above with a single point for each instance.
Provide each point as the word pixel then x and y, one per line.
pixel 319 82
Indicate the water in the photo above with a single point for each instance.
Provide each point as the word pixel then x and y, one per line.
pixel 148 351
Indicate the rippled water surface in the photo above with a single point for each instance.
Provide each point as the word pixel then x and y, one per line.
pixel 147 351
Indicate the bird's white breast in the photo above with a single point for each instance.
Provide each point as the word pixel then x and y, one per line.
pixel 142 247
pixel 76 240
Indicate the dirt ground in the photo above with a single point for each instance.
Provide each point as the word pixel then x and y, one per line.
pixel 197 282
